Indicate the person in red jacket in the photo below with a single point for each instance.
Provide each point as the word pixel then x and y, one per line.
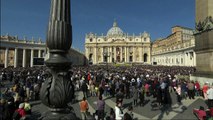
pixel 21 110
pixel 197 88
pixel 200 113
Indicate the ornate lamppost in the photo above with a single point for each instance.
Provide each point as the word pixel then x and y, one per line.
pixel 57 89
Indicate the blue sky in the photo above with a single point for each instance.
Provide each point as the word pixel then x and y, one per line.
pixel 30 17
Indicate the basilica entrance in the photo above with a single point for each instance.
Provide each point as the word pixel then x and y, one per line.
pixel 118 54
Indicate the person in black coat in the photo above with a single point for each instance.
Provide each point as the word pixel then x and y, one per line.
pixel 84 89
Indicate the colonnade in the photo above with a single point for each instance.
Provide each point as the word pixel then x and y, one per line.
pixel 24 56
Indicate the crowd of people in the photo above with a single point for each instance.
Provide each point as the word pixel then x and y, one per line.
pixel 19 86
pixel 123 82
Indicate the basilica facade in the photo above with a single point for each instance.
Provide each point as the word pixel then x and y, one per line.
pixel 118 47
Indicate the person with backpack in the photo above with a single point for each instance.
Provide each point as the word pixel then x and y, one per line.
pixel 129 115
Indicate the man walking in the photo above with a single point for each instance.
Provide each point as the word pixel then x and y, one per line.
pixel 100 108
pixel 84 108
pixel 210 97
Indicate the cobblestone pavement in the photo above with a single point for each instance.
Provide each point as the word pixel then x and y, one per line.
pixel 149 111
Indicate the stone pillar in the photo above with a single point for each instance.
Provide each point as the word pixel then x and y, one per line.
pixel 127 54
pixel 31 58
pixel 133 54
pixel 109 54
pixel 203 41
pixel 140 54
pixel 95 55
pixel 194 57
pixel 24 58
pixel 149 56
pixel 15 58
pixel 125 57
pixel 39 53
pixel 121 56
pixel 6 58
pixel 115 54
pixel 102 56
pixel 185 59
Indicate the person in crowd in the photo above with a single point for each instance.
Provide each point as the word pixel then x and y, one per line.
pixel 129 115
pixel 84 88
pixel 197 88
pixel 27 106
pixel 21 93
pixel 210 97
pixel 178 92
pixel 84 107
pixel 21 111
pixel 205 88
pixel 135 96
pixel 159 96
pixel 11 106
pixel 142 96
pixel 119 97
pixel 118 111
pixel 111 114
pixel 191 89
pixel 147 89
pixel 100 108
pixel 4 113
pixel 200 113
pixel 184 90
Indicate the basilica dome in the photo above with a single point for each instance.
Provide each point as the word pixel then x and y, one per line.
pixel 115 30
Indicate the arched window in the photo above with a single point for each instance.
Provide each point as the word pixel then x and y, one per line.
pixel 145 57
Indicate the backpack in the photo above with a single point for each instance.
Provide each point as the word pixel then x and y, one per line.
pixel 16 115
pixel 127 116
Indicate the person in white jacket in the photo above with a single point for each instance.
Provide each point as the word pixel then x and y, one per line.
pixel 118 112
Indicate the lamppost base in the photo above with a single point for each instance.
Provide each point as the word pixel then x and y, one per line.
pixel 63 115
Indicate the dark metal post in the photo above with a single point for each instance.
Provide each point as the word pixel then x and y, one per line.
pixel 57 89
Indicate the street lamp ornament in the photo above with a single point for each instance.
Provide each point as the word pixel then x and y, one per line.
pixel 57 90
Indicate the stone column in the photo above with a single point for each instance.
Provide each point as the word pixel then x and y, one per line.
pixel 149 55
pixel 121 57
pixel 110 54
pixel 133 54
pixel 102 56
pixel 39 53
pixel 115 54
pixel 194 57
pixel 95 55
pixel 140 54
pixel 24 58
pixel 15 58
pixel 6 58
pixel 125 54
pixel 31 58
